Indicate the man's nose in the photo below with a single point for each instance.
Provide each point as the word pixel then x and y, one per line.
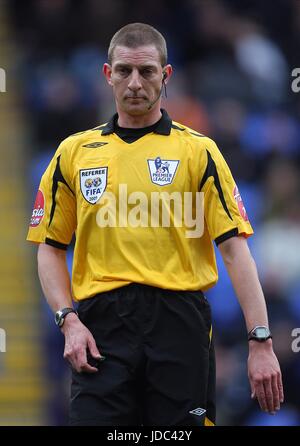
pixel 135 82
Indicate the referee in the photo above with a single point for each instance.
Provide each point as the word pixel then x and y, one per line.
pixel 140 344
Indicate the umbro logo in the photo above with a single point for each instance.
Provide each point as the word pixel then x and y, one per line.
pixel 199 411
pixel 93 145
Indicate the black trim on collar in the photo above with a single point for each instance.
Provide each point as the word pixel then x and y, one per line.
pixel 164 125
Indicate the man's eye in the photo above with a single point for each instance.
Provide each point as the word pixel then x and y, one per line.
pixel 147 72
pixel 124 71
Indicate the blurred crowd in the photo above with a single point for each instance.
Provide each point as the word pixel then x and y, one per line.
pixel 232 81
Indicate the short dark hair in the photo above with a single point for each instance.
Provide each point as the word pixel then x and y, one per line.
pixel 135 35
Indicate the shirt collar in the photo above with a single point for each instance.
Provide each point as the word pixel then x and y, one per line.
pixel 163 127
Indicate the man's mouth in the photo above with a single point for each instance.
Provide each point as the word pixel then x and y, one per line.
pixel 135 97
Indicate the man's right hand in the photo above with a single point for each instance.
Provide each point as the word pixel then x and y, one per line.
pixel 78 341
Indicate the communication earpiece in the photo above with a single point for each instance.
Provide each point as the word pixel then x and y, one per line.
pixel 165 75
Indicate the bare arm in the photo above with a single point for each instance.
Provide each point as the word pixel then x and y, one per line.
pixel 263 367
pixel 55 281
pixel 243 274
pixel 54 277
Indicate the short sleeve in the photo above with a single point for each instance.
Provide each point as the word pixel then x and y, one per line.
pixel 225 214
pixel 53 219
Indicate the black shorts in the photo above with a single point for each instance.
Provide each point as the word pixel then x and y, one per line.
pixel 160 365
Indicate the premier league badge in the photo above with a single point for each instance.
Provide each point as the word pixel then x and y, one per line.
pixel 93 183
pixel 162 172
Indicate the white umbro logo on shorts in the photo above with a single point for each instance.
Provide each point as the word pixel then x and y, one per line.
pixel 199 411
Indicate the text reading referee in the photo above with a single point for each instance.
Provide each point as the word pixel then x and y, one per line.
pixel 140 281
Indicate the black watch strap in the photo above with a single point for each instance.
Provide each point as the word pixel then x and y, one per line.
pixel 61 314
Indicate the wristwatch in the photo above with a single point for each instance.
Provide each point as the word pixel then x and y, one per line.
pixel 260 333
pixel 61 314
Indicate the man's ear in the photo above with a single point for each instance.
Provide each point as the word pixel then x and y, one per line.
pixel 167 73
pixel 107 71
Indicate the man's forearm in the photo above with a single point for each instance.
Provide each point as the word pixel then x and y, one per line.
pixel 54 276
pixel 55 281
pixel 243 273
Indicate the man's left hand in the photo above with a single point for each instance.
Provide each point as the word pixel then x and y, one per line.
pixel 265 376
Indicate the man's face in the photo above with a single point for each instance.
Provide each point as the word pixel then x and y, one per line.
pixel 136 76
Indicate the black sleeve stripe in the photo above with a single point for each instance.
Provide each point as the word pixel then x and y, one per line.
pixel 211 171
pixel 177 128
pixel 56 244
pixel 232 233
pixel 57 177
pixel 198 134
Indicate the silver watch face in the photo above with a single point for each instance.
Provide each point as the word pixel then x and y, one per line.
pixel 262 332
pixel 58 318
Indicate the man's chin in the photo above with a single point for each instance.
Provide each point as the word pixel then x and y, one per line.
pixel 136 110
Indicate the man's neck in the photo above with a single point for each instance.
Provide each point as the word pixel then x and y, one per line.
pixel 136 122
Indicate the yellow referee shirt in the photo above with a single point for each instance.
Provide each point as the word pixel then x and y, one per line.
pixel 132 206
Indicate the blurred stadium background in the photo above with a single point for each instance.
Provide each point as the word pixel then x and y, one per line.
pixel 233 62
